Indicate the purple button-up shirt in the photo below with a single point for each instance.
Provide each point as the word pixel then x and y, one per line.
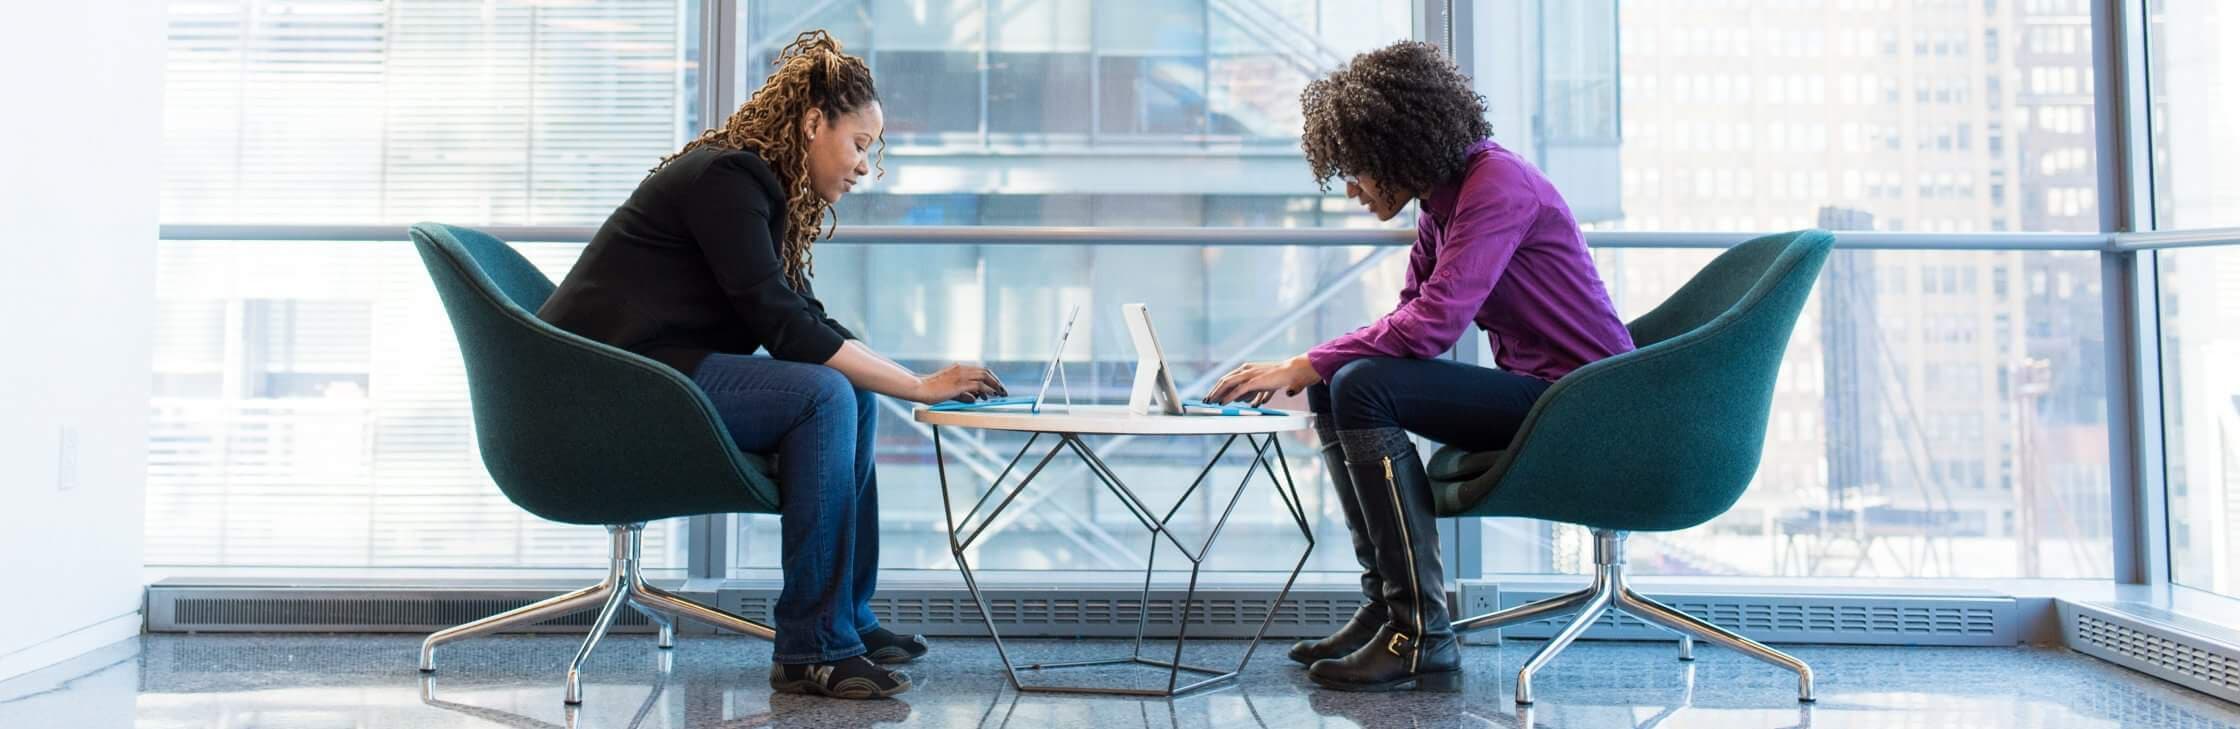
pixel 1500 249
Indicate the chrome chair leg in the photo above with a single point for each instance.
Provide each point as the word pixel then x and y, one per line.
pixel 667 637
pixel 1537 610
pixel 530 614
pixel 677 606
pixel 1635 604
pixel 1596 604
pixel 1610 593
pixel 665 624
pixel 599 626
pixel 624 585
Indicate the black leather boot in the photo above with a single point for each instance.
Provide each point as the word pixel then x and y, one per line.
pixel 1416 647
pixel 1371 615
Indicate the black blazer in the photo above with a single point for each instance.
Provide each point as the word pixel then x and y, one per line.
pixel 689 266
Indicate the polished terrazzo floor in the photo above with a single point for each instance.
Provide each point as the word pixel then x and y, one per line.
pixel 369 682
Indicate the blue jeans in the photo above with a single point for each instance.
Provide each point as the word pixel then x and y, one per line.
pixel 1466 406
pixel 821 429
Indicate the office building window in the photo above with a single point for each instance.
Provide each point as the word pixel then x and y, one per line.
pixel 313 389
pixel 928 92
pixel 2196 147
pixel 1039 93
pixel 1166 113
pixel 309 405
pixel 1905 459
pixel 2200 321
pixel 1935 100
pixel 364 111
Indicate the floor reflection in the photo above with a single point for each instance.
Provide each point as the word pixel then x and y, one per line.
pixel 369 682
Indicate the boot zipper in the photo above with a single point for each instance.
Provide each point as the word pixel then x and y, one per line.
pixel 1392 486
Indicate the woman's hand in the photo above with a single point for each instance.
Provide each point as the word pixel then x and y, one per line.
pixel 1255 382
pixel 958 382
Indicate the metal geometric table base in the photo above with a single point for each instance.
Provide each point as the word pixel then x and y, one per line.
pixel 963 532
pixel 624 585
pixel 1611 593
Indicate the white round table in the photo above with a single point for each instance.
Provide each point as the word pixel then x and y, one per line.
pixel 1112 420
pixel 1066 425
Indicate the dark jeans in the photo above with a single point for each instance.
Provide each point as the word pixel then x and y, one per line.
pixel 1466 406
pixel 821 429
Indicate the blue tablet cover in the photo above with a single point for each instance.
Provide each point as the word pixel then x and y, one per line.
pixel 1207 408
pixel 997 402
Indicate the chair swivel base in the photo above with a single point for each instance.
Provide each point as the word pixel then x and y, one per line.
pixel 1610 592
pixel 624 585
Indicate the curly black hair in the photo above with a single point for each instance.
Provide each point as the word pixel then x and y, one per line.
pixel 813 73
pixel 1401 114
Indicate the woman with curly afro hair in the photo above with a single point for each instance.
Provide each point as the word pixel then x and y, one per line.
pixel 1496 246
pixel 707 262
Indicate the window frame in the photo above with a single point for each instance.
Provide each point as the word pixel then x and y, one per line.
pixel 2128 241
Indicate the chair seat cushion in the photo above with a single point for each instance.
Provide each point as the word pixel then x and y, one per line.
pixel 762 476
pixel 1456 475
pixel 1455 464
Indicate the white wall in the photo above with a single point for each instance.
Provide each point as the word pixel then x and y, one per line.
pixel 79 168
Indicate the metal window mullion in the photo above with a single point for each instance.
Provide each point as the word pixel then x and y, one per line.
pixel 987 64
pixel 1461 539
pixel 719 61
pixel 1205 79
pixel 1466 548
pixel 1431 22
pixel 2121 107
pixel 1462 45
pixel 2123 110
pixel 710 536
pixel 2142 527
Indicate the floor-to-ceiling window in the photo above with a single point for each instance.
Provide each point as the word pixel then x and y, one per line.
pixel 1073 113
pixel 2194 75
pixel 310 409
pixel 1942 412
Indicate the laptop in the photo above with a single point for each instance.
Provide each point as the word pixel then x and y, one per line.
pixel 1154 386
pixel 1055 369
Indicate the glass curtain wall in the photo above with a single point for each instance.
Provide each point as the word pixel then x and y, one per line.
pixel 310 409
pixel 1940 414
pixel 2193 74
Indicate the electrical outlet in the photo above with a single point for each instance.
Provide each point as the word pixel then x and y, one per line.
pixel 1478 598
pixel 66 459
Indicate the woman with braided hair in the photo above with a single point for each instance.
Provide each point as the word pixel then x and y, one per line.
pixel 1496 246
pixel 706 263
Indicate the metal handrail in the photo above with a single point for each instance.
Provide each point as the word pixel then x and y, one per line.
pixel 2161 239
pixel 1243 237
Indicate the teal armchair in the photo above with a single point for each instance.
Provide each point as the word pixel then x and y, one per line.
pixel 1659 439
pixel 579 432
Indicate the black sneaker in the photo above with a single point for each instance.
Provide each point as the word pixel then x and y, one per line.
pixel 884 646
pixel 847 678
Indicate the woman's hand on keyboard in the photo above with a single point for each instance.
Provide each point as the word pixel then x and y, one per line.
pixel 960 382
pixel 1255 382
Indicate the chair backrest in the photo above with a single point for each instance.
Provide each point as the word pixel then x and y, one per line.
pixel 571 429
pixel 1667 436
pixel 511 275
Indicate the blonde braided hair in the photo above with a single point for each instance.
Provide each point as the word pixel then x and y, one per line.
pixel 812 73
